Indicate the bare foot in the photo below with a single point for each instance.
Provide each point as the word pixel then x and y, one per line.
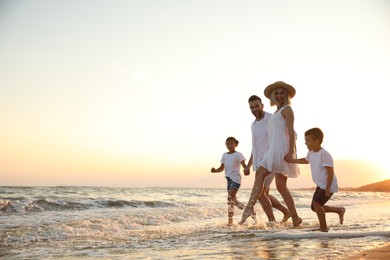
pixel 297 221
pixel 246 214
pixel 341 215
pixel 321 229
pixel 254 216
pixel 286 216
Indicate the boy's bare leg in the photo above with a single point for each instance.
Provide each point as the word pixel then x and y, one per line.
pixel 230 213
pixel 231 202
pixel 338 210
pixel 321 216
pixel 281 185
pixel 239 204
pixel 277 205
pixel 258 185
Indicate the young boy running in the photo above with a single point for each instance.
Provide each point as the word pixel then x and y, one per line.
pixel 321 165
pixel 231 162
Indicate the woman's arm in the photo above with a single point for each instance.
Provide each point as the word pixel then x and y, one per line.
pixel 288 115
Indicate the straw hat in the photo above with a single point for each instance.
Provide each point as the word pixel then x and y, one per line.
pixel 279 84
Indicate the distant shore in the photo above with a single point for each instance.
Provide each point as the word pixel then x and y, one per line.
pixel 383 186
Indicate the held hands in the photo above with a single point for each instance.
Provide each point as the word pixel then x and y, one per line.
pixel 247 171
pixel 288 157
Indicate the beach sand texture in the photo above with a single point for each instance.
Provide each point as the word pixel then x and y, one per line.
pixel 377 253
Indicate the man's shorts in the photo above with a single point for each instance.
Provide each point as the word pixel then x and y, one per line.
pixel 232 185
pixel 319 197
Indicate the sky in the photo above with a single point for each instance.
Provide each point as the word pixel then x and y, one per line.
pixel 144 93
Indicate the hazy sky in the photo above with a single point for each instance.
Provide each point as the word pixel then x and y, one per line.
pixel 144 93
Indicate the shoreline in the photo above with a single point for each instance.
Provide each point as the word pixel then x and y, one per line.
pixel 377 253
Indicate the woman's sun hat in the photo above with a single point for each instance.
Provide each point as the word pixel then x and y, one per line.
pixel 279 84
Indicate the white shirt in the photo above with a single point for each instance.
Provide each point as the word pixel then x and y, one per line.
pixel 232 164
pixel 260 143
pixel 318 161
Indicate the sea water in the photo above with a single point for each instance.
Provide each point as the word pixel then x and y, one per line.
pixel 185 223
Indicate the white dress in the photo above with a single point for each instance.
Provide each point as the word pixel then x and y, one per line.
pixel 273 159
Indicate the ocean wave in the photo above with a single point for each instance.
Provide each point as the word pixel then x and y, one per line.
pixel 125 223
pixel 47 204
pixel 136 204
pixel 3 203
pixel 142 224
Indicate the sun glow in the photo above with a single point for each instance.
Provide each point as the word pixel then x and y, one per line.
pixel 147 96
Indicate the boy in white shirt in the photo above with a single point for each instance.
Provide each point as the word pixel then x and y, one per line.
pixel 231 163
pixel 321 165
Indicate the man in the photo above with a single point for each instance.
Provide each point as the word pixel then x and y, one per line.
pixel 259 147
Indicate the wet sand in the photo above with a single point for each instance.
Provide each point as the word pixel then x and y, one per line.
pixel 377 253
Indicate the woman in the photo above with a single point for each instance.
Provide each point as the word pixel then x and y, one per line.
pixel 281 136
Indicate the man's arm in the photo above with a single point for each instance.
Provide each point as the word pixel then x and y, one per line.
pixel 247 169
pixel 243 164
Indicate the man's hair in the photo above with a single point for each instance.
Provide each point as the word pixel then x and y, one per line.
pixel 315 133
pixel 253 98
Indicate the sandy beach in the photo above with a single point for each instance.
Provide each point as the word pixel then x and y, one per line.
pixel 377 253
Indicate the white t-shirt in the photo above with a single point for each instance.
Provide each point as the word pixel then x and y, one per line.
pixel 260 143
pixel 232 164
pixel 318 161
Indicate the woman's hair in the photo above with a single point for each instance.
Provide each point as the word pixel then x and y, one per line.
pixel 231 138
pixel 273 100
